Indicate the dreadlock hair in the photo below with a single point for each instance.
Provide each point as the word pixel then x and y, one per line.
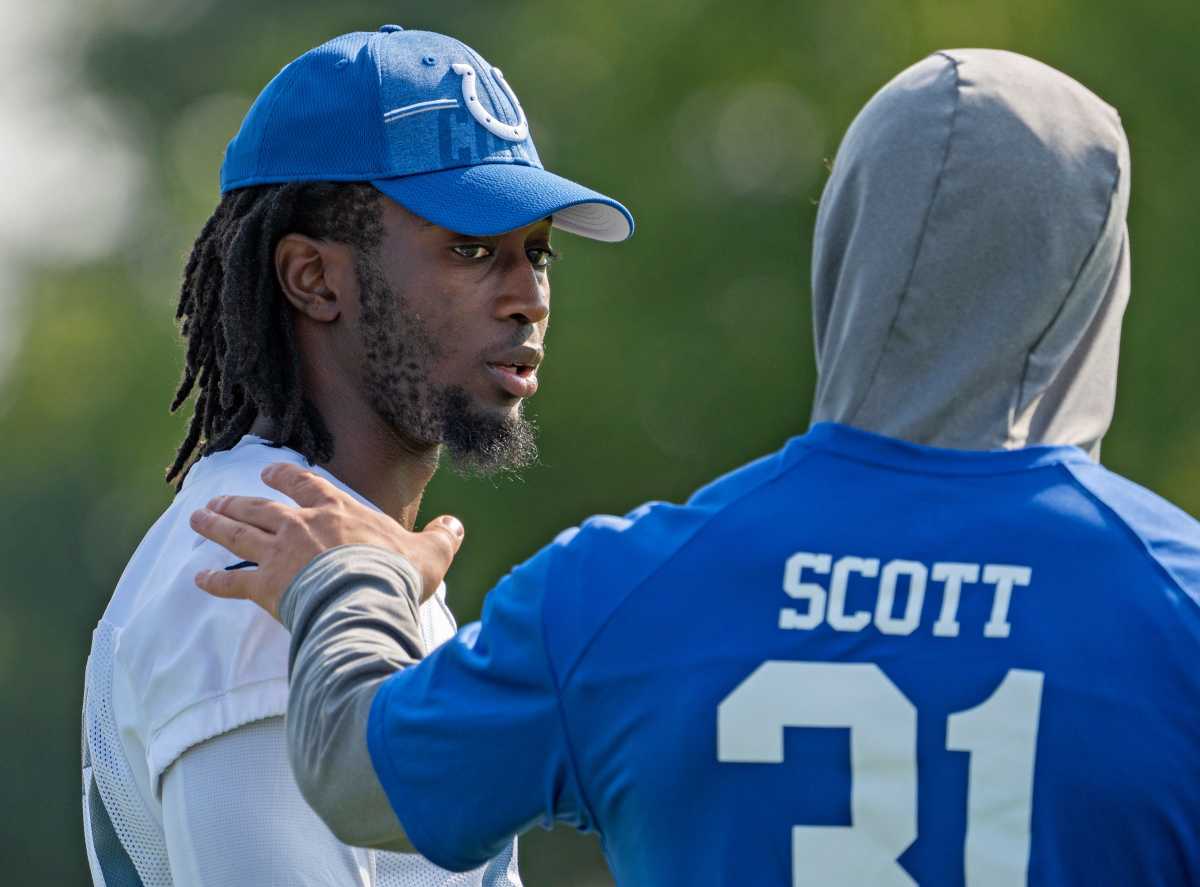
pixel 242 357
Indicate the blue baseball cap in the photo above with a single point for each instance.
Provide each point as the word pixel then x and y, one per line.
pixel 424 119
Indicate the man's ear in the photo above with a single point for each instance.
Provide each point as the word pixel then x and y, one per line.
pixel 313 275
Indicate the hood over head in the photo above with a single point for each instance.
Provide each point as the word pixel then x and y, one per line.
pixel 971 259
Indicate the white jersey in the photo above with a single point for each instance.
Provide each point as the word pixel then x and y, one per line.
pixel 172 667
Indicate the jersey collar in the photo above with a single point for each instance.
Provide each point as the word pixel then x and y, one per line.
pixel 865 446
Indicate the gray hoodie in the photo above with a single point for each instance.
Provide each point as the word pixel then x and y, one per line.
pixel 971 260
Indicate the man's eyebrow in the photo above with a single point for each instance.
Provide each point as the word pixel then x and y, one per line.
pixel 425 223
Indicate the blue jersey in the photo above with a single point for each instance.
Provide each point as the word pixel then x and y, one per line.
pixel 853 662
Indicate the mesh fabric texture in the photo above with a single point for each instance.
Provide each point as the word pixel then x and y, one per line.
pixel 135 827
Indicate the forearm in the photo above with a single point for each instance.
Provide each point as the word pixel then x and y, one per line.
pixel 354 619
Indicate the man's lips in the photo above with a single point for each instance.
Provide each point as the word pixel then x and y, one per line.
pixel 516 380
pixel 515 370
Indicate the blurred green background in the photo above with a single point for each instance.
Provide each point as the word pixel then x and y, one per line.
pixel 674 357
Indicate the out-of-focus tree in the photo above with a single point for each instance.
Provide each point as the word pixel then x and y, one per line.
pixel 673 357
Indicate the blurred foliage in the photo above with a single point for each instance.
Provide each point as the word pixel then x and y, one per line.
pixel 676 356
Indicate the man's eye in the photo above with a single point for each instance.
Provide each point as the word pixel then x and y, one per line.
pixel 473 250
pixel 541 256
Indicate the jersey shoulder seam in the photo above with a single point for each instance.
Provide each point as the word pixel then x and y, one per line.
pixel 791 464
pixel 568 744
pixel 1139 541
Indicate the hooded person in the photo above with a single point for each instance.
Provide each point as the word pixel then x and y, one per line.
pixel 931 641
pixel 971 259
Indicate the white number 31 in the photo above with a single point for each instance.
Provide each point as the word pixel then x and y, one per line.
pixel 1000 734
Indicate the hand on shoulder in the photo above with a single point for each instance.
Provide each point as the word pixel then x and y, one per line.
pixel 281 540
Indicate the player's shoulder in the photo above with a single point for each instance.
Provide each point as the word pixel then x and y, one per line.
pixel 195 666
pixel 171 546
pixel 588 571
pixel 236 471
pixel 1168 535
pixel 613 552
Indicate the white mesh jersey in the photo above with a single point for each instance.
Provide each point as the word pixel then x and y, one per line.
pixel 171 668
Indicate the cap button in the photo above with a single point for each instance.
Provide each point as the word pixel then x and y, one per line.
pixel 388 29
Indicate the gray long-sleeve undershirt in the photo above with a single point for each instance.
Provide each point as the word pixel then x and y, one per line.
pixel 353 616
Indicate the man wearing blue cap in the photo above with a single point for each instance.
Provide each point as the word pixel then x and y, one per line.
pixel 372 289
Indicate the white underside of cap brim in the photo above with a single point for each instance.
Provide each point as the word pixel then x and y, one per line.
pixel 491 198
pixel 599 221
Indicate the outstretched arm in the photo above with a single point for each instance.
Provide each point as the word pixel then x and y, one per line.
pixel 354 623
pixel 353 618
pixel 468 745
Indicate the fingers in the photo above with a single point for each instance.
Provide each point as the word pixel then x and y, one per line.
pixel 242 585
pixel 242 539
pixel 265 514
pixel 225 583
pixel 302 487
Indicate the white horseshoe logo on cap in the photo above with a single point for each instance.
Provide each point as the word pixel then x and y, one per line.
pixel 517 133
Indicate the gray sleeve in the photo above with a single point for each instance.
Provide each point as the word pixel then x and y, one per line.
pixel 353 614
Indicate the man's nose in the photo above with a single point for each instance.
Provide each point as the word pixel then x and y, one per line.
pixel 525 293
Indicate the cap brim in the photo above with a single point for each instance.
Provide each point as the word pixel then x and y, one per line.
pixel 492 198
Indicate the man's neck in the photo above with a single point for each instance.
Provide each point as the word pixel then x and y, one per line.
pixel 371 460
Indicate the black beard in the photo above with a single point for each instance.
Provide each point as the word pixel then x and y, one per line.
pixel 398 352
pixel 481 444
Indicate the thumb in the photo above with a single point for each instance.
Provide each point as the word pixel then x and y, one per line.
pixel 451 527
pixel 444 536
